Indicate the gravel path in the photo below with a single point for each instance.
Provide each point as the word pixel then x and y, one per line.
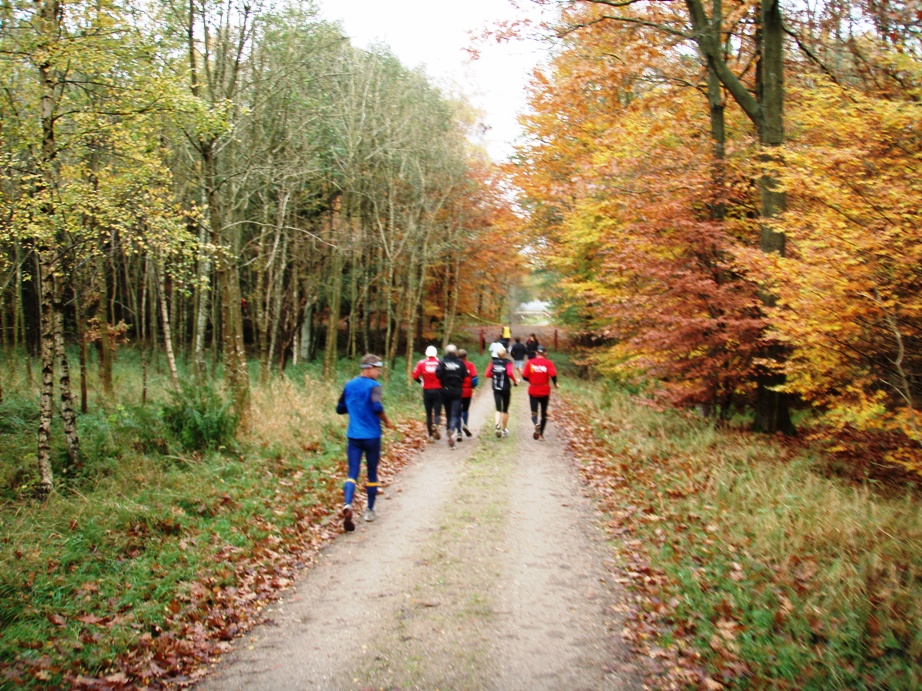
pixel 484 570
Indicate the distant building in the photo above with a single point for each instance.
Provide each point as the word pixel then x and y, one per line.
pixel 534 312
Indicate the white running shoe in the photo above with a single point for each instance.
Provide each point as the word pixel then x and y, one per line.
pixel 370 515
pixel 505 433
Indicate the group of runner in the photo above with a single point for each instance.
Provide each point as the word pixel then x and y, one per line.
pixel 538 371
pixel 447 383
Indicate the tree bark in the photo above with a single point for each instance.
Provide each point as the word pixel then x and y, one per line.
pixel 49 19
pixel 68 415
pixel 46 405
pixel 167 329
pixel 202 292
pixel 334 293
pixel 103 344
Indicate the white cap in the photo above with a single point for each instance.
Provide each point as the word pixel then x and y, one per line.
pixel 431 351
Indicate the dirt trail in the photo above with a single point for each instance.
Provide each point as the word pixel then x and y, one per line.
pixel 484 570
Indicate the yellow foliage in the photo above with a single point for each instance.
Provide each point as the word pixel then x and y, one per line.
pixel 849 291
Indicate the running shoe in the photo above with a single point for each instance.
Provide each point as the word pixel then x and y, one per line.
pixel 540 437
pixel 505 432
pixel 451 442
pixel 460 438
pixel 537 433
pixel 499 431
pixel 467 431
pixel 370 515
pixel 436 433
pixel 348 523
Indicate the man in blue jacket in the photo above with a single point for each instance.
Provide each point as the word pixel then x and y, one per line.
pixel 361 399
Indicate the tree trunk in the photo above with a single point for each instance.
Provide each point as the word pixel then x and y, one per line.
pixel 716 107
pixel 306 332
pixel 277 292
pixel 333 303
pixel 453 288
pixel 145 280
pixel 772 409
pixel 68 415
pixel 201 300
pixel 103 345
pixel 334 292
pixel 229 288
pixel 766 111
pixel 81 339
pixel 46 406
pixel 49 19
pixel 167 329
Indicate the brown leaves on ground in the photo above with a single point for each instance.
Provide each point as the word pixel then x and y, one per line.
pixel 615 481
pixel 230 599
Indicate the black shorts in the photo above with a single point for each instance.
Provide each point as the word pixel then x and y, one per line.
pixel 502 400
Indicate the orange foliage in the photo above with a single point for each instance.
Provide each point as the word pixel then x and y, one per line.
pixel 625 199
pixel 486 257
pixel 618 182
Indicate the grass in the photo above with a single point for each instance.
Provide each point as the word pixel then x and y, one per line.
pixel 747 566
pixel 747 560
pixel 141 561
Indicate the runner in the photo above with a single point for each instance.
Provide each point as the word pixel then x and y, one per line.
pixel 361 400
pixel 539 371
pixel 424 372
pixel 531 346
pixel 452 374
pixel 496 345
pixel 502 372
pixel 467 392
pixel 518 352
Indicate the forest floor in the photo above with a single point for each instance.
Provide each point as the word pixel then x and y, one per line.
pixel 484 570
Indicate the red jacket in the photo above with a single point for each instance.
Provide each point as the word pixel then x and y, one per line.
pixel 425 371
pixel 467 388
pixel 539 371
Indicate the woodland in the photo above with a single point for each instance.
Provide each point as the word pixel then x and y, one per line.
pixel 225 181
pixel 211 209
pixel 729 192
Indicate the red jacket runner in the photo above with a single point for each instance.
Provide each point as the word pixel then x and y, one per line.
pixel 539 371
pixel 467 389
pixel 425 371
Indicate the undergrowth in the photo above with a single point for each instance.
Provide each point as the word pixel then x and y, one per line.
pixel 749 566
pixel 174 529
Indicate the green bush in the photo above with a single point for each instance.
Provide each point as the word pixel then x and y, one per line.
pixel 200 418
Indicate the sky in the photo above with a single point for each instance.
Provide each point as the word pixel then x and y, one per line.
pixel 434 34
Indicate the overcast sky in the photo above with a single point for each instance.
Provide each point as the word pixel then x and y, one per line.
pixel 434 33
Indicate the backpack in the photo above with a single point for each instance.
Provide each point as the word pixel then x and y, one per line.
pixel 452 377
pixel 500 375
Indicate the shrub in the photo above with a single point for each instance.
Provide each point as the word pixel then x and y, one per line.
pixel 199 417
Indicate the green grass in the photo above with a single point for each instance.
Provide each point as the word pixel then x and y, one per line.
pixel 775 575
pixel 153 541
